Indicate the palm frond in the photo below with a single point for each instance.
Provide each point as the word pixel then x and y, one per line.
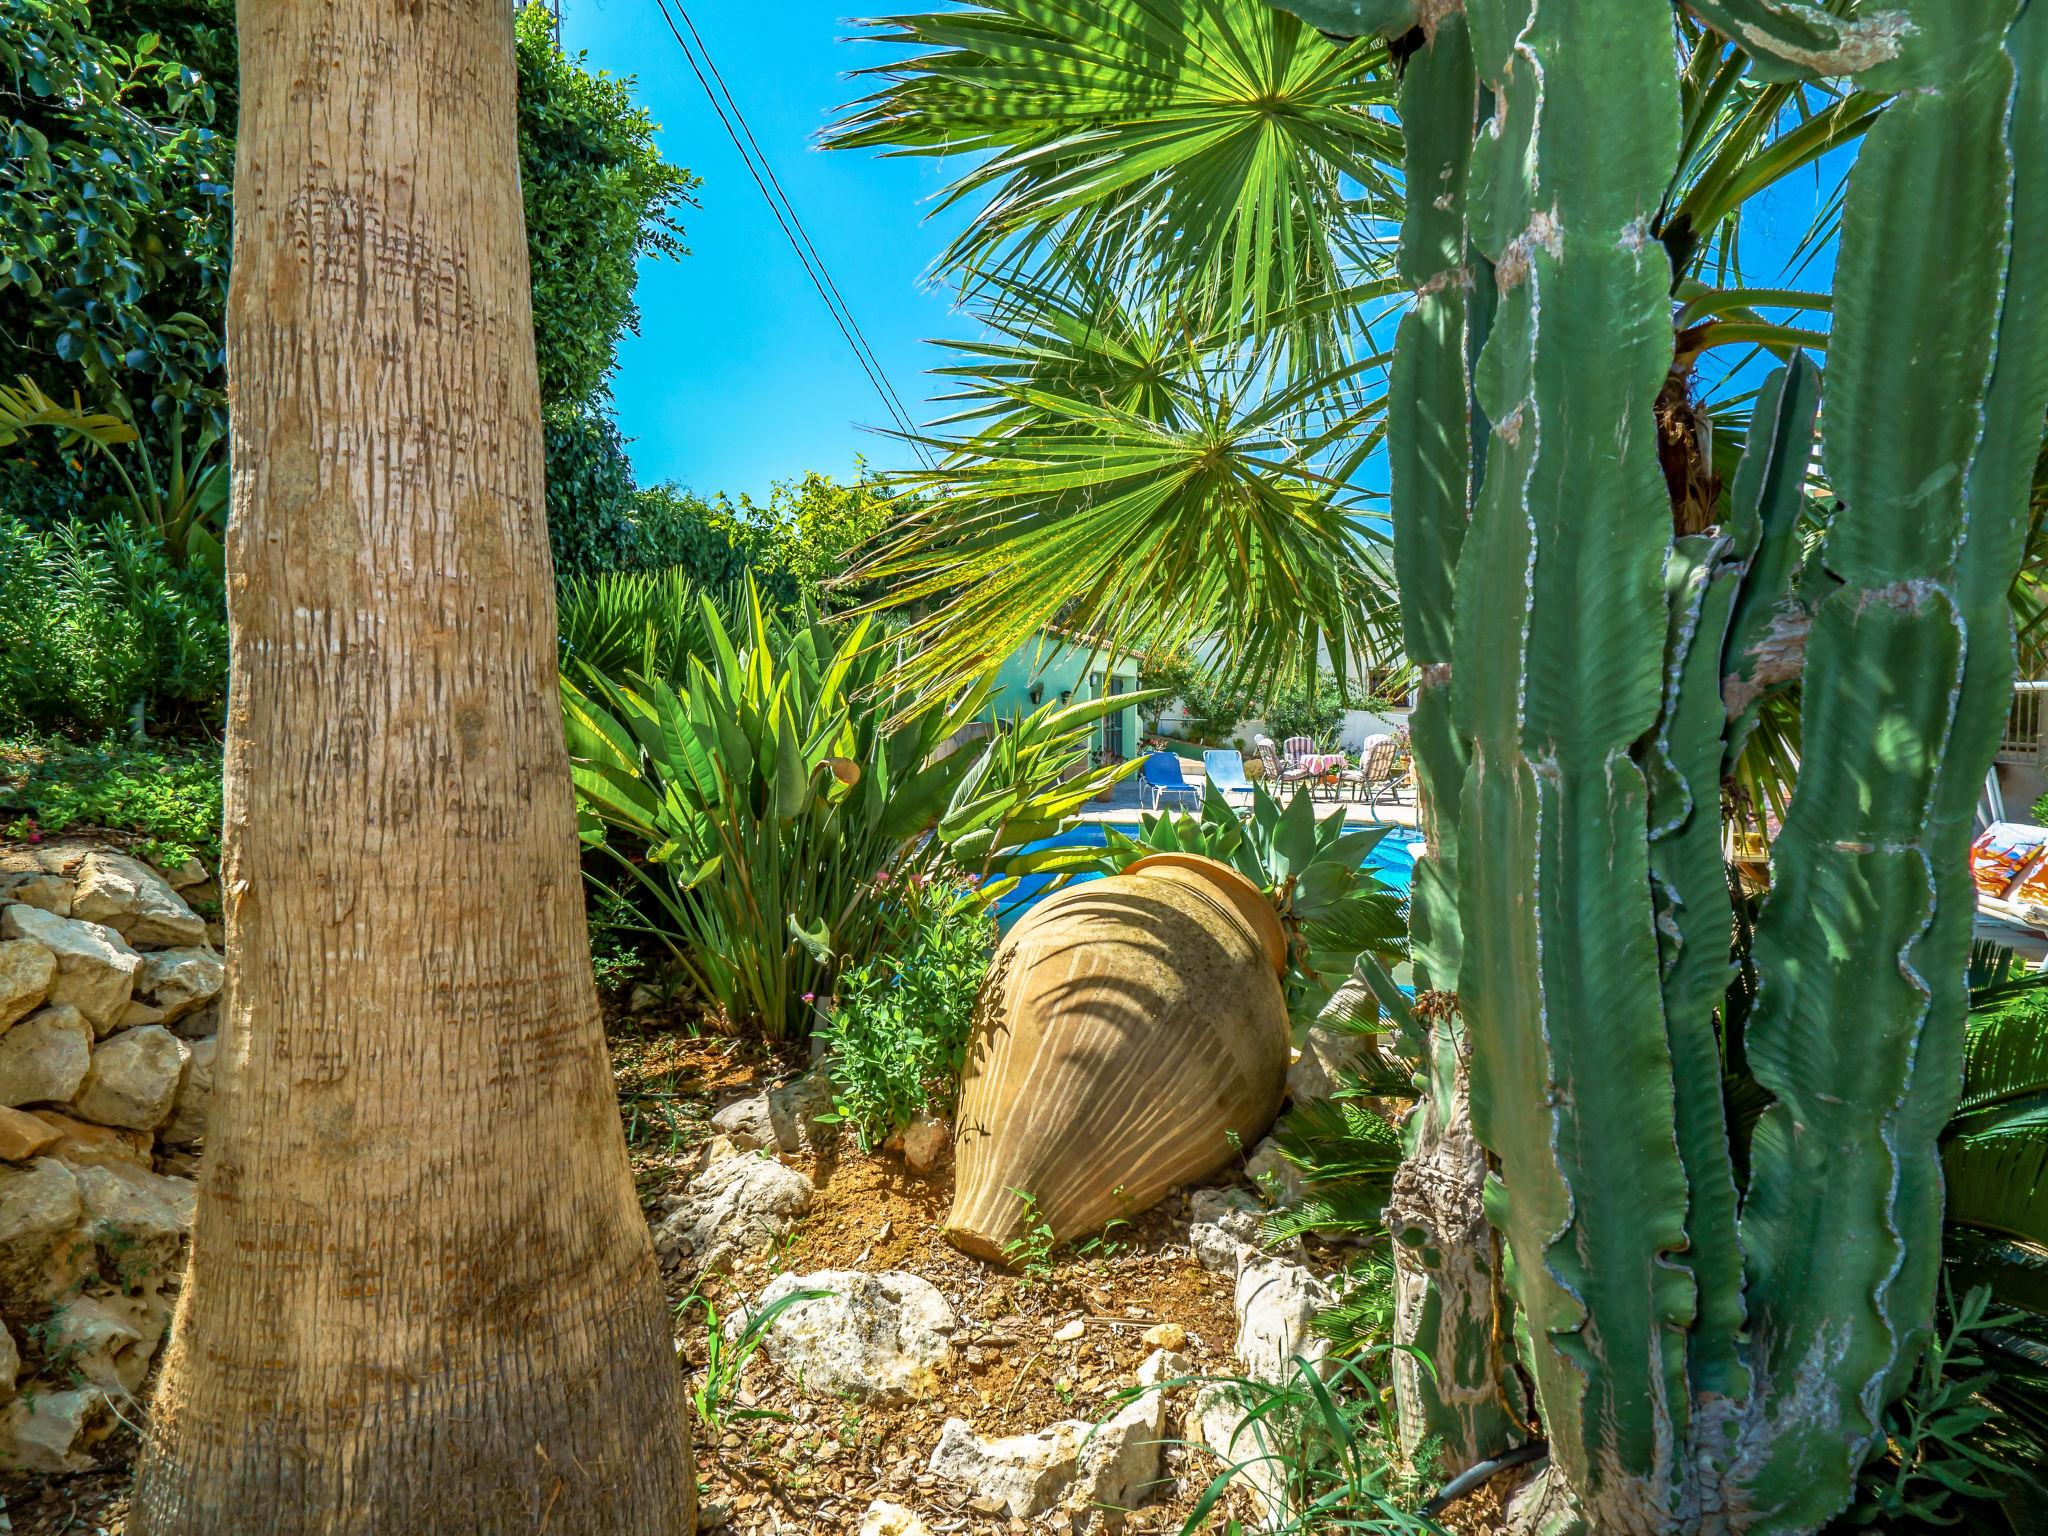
pixel 1154 135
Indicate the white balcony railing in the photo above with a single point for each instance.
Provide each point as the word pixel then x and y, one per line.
pixel 2023 742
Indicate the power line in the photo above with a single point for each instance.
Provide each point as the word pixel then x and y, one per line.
pixel 787 220
pixel 901 412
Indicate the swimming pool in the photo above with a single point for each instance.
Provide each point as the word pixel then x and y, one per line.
pixel 1392 859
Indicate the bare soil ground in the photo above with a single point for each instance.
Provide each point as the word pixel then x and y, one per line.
pixel 816 1466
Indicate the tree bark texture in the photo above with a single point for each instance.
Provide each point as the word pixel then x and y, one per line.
pixel 422 1296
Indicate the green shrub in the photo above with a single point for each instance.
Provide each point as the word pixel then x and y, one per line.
pixel 898 1034
pixel 94 618
pixel 169 794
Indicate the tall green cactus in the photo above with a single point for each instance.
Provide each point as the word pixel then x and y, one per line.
pixel 1711 1346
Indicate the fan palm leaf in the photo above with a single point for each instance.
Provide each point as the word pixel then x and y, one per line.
pixel 1204 138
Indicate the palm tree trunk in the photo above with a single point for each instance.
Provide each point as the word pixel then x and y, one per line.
pixel 421 1296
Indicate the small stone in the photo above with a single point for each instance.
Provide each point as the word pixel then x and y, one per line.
pixel 27 971
pixel 1067 1332
pixel 1165 1336
pixel 925 1142
pixel 130 897
pixel 713 1515
pixel 22 1135
pixel 737 1206
pixel 880 1338
pixel 1163 1366
pixel 139 1013
pixel 1223 1226
pixel 52 1432
pixel 180 981
pixel 45 1057
pixel 886 1519
pixel 133 1079
pixel 95 967
pixel 187 1123
pixel 642 999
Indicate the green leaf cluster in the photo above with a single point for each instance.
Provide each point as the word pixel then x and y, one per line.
pixel 168 795
pixel 897 1035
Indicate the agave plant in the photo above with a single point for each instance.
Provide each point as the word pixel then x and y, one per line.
pixel 765 800
pixel 1336 913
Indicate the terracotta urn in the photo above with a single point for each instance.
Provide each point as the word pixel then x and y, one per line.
pixel 1131 1038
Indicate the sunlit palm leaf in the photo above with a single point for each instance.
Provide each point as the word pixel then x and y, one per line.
pixel 1140 533
pixel 1205 137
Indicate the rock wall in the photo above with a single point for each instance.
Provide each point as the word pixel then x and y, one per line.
pixel 108 987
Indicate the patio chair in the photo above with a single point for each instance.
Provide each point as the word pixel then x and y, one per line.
pixel 1161 778
pixel 1225 772
pixel 1282 774
pixel 1296 748
pixel 1379 772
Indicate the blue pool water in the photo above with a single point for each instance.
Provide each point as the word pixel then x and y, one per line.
pixel 1392 860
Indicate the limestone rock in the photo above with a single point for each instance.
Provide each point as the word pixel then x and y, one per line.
pixel 139 1219
pixel 1223 1226
pixel 133 1079
pixel 82 1144
pixel 880 1338
pixel 130 897
pixel 1276 1301
pixel 22 1136
pixel 197 1026
pixel 27 970
pixel 1119 1466
pixel 45 1057
pixel 886 1519
pixel 783 1119
pixel 187 1123
pixel 1218 1421
pixel 107 1340
pixel 1025 1475
pixel 37 888
pixel 53 1432
pixel 1331 1048
pixel 95 967
pixel 10 1364
pixel 186 875
pixel 736 1206
pixel 179 981
pixel 1273 1175
pixel 41 1255
pixel 1163 1366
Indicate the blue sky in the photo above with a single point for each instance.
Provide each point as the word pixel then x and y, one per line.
pixel 738 377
